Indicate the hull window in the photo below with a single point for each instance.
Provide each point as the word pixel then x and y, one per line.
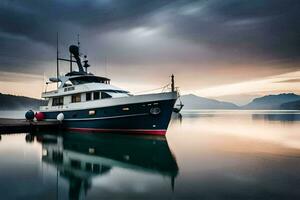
pixel 76 98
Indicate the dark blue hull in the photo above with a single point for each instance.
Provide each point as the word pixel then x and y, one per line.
pixel 146 118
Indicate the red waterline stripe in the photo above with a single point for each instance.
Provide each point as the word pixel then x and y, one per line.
pixel 137 131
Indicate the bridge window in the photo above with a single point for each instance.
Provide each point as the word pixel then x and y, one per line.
pixel 69 89
pixel 67 84
pixel 58 101
pixel 104 95
pixel 76 98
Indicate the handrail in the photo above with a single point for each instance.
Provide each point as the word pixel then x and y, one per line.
pixel 165 86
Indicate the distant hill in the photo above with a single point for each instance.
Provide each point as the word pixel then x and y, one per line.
pixel 294 105
pixel 12 102
pixel 272 101
pixel 192 101
pixel 289 101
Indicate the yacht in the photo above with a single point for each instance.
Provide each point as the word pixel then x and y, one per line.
pixel 86 102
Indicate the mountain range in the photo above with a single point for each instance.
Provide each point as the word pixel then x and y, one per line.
pixel 192 101
pixel 294 105
pixel 12 102
pixel 270 102
pixel 286 101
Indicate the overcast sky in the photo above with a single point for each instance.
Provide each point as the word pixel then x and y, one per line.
pixel 215 48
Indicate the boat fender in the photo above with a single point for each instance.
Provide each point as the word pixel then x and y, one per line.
pixel 60 117
pixel 39 116
pixel 29 115
pixel 155 111
pixel 29 138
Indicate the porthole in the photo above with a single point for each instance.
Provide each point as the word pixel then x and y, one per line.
pixel 155 111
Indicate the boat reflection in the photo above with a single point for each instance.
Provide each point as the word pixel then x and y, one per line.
pixel 79 157
pixel 176 118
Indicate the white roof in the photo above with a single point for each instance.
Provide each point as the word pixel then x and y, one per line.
pixel 82 88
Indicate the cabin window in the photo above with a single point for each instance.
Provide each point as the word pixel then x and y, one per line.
pixel 58 101
pixel 88 96
pixel 75 164
pixel 57 157
pixel 105 95
pixel 96 168
pixel 88 166
pixel 96 95
pixel 76 98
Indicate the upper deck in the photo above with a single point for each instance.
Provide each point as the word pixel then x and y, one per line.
pixel 85 87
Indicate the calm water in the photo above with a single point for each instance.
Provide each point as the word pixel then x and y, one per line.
pixel 206 155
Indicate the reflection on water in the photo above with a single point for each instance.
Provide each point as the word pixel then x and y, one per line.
pixel 80 157
pixel 275 117
pixel 206 155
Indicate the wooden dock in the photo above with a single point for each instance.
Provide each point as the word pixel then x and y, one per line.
pixel 24 126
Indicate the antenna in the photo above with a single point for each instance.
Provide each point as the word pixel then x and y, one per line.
pixel 57 62
pixel 78 43
pixel 105 66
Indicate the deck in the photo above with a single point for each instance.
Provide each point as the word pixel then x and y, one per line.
pixel 23 126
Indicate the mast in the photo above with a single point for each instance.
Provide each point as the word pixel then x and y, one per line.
pixel 57 62
pixel 78 44
pixel 71 63
pixel 105 67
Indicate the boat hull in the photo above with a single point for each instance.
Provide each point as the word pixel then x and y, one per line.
pixel 150 117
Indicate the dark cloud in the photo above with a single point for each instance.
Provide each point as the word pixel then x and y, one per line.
pixel 260 29
pixel 40 20
pixel 190 32
pixel 26 26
